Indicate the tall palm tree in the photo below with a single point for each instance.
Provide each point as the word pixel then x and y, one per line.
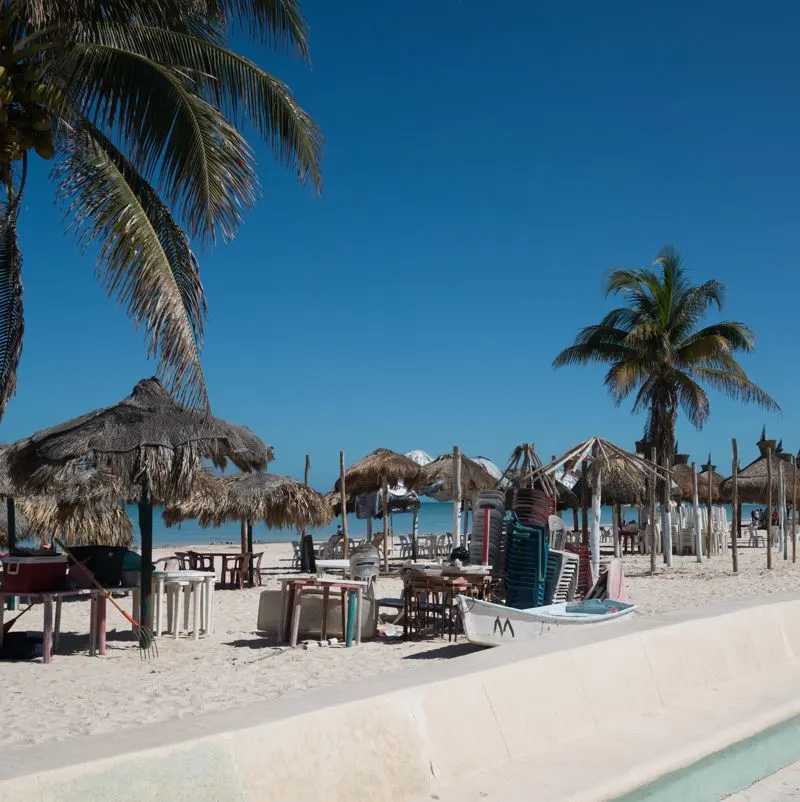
pixel 655 348
pixel 139 102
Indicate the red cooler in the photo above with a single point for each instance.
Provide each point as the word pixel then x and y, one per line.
pixel 34 574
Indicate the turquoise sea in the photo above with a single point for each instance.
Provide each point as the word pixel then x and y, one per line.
pixel 433 517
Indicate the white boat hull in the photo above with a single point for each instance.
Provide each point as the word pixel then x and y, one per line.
pixel 487 624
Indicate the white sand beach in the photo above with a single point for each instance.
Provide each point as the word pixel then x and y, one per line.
pixel 77 694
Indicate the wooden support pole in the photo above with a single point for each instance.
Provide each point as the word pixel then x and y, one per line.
pixel 667 533
pixel 712 543
pixel 584 504
pixel 652 488
pixel 594 540
pixel 344 503
pixel 698 518
pixel 782 510
pixel 616 523
pixel 794 509
pixel 307 555
pixel 385 494
pixel 737 520
pixel 457 496
pixel 769 508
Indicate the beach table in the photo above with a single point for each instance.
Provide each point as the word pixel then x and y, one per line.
pixel 206 561
pixel 332 565
pixel 196 578
pixel 51 630
pixel 292 588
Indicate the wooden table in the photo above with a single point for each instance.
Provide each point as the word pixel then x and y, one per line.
pixel 206 560
pixel 292 588
pixel 51 632
pixel 428 599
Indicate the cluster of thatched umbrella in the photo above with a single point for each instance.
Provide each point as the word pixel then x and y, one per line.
pixel 152 447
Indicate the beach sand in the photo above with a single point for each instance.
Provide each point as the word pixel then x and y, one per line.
pixel 236 666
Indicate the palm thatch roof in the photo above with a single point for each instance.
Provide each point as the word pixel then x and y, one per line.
pixel 523 470
pixel 622 474
pixel 84 525
pixel 146 437
pixel 78 504
pixel 382 465
pixel 278 501
pixel 752 484
pixel 619 484
pixel 437 478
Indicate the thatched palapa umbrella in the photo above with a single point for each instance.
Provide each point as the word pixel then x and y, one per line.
pixel 436 478
pixel 438 481
pixel 155 447
pixel 278 501
pixel 625 472
pixel 752 484
pixel 377 471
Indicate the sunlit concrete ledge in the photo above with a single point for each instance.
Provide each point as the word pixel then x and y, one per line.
pixel 582 715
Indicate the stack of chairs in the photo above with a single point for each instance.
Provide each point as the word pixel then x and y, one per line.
pixel 561 583
pixel 526 564
pixel 496 501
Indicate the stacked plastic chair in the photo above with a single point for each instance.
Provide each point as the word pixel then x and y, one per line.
pixel 561 583
pixel 531 506
pixel 495 500
pixel 526 565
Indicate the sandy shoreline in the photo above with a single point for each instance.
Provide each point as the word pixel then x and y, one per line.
pixel 77 695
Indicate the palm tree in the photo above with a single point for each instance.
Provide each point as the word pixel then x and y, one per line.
pixel 139 102
pixel 655 348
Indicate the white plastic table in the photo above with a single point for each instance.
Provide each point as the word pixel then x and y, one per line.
pixel 206 578
pixel 332 565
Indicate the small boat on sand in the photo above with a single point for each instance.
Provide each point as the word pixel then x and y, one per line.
pixel 487 624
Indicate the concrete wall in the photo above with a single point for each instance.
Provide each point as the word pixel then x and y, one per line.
pixel 400 735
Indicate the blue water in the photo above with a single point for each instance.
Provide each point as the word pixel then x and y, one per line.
pixel 433 517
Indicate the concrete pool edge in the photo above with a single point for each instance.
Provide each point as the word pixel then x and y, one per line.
pixel 404 726
pixel 724 772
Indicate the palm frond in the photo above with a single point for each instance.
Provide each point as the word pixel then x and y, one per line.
pixel 235 85
pixel 279 22
pixel 198 159
pixel 11 318
pixel 692 399
pixel 622 318
pixel 145 259
pixel 736 386
pixel 623 378
pixel 738 336
pixel 603 352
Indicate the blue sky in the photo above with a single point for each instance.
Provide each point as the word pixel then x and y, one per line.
pixel 483 170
